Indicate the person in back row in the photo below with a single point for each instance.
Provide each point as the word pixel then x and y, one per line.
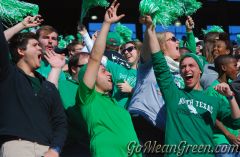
pixel 109 126
pixel 48 40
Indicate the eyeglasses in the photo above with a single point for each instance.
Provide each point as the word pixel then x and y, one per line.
pixel 129 49
pixel 174 39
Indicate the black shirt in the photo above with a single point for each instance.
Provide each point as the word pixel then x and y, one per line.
pixel 37 116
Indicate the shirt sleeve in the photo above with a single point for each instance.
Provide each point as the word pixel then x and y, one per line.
pixel 191 44
pixel 88 41
pixel 4 53
pixel 85 93
pixel 164 77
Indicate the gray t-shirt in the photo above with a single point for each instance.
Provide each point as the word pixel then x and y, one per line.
pixel 209 75
pixel 147 99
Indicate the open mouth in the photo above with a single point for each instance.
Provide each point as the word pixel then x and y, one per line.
pixel 49 48
pixel 177 48
pixel 188 77
pixel 110 80
pixel 40 56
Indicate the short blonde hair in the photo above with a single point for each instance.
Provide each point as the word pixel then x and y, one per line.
pixel 161 36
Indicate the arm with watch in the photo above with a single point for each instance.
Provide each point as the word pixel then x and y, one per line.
pixel 224 89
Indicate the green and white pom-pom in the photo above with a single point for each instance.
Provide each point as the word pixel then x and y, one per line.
pixel 69 39
pixel 61 42
pixel 191 6
pixel 88 4
pixel 13 11
pixel 213 29
pixel 124 32
pixel 165 12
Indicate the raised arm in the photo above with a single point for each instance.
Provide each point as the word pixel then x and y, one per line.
pixel 146 56
pixel 110 17
pixel 86 38
pixel 191 44
pixel 151 42
pixel 29 21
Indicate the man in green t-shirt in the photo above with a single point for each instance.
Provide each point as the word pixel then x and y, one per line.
pixel 109 126
pixel 77 141
pixel 191 114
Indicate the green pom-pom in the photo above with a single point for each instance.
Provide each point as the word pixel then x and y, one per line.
pixel 13 11
pixel 69 38
pixel 165 12
pixel 124 32
pixel 191 6
pixel 213 29
pixel 79 37
pixel 61 42
pixel 88 4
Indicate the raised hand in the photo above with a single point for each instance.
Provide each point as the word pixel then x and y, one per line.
pixel 146 20
pixel 124 87
pixel 32 21
pixel 54 59
pixel 224 89
pixel 189 24
pixel 81 29
pixel 111 14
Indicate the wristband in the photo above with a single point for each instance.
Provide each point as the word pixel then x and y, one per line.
pixel 229 97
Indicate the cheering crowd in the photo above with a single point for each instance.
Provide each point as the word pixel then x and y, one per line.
pixel 103 94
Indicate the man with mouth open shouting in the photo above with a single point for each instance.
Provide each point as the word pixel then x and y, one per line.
pixel 109 126
pixel 191 114
pixel 32 119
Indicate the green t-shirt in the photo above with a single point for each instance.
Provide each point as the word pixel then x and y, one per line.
pixel 68 90
pixel 36 84
pixel 109 125
pixel 45 69
pixel 76 127
pixel 191 114
pixel 218 136
pixel 119 74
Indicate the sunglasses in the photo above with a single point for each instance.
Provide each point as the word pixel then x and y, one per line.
pixel 129 49
pixel 174 39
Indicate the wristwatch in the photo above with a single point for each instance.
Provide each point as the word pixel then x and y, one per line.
pixel 56 149
pixel 230 97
